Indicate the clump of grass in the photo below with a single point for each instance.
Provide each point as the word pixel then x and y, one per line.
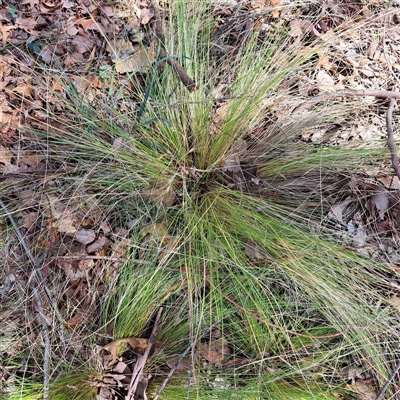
pixel 225 242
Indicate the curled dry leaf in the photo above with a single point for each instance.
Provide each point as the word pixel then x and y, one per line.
pixel 338 211
pixel 163 193
pixel 377 205
pixel 49 7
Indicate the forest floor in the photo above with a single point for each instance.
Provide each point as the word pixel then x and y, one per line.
pixel 52 48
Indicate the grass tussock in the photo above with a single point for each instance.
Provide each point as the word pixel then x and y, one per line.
pixel 214 190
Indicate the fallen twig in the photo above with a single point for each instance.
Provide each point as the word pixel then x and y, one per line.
pixel 385 94
pixel 382 94
pixel 175 366
pixel 183 355
pixel 386 385
pixel 176 67
pixel 38 301
pixel 105 258
pixel 390 139
pixel 141 360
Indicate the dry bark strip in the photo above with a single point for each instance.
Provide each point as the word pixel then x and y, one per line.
pixel 176 67
pixel 390 139
pixel 141 360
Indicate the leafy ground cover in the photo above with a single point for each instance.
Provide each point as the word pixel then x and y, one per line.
pixel 186 208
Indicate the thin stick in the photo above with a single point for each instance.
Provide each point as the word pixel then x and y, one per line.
pixel 38 301
pixel 183 355
pixel 141 361
pixel 386 385
pixel 175 366
pixel 381 94
pixel 390 139
pixel 385 94
pixel 105 258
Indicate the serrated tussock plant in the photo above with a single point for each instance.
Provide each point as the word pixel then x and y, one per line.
pixel 213 184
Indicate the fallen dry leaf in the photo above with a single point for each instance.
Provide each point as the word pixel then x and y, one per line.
pixel 83 43
pixel 85 236
pixel 377 205
pixel 49 7
pixel 6 166
pixel 295 28
pixel 337 211
pixel 214 351
pixel 364 388
pixel 65 220
pixel 136 343
pixel 144 14
pixel 325 82
pixel 232 163
pixel 162 194
pixel 101 243
pixel 184 364
pixel 141 61
pixel 26 24
pixel 65 224
pixel 81 317
pixel 254 251
pixel 390 182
